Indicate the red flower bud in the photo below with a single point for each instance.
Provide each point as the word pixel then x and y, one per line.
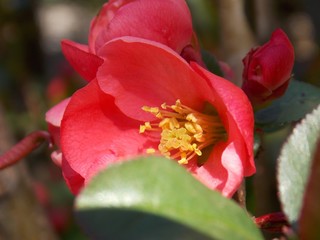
pixel 268 68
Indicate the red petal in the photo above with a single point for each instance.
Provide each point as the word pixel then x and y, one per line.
pixel 94 133
pixel 236 112
pixel 74 180
pixel 139 72
pixel 85 63
pixel 167 22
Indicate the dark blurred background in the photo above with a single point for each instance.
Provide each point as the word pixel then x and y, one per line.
pixel 35 76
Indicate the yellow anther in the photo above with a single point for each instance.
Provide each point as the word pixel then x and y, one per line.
pixel 169 123
pixel 153 110
pixel 189 126
pixel 150 150
pixel 196 149
pixel 164 123
pixel 191 117
pixel 142 129
pixel 177 107
pixel 183 159
pixel 164 106
pixel 198 128
pixel 184 131
pixel 146 126
pixel 199 137
pixel 174 123
pixel 159 115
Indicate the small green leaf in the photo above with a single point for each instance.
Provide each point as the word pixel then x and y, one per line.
pixel 300 98
pixel 155 198
pixel 294 164
pixel 309 222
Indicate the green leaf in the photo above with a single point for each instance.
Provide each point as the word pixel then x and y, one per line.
pixel 309 222
pixel 300 98
pixel 155 198
pixel 294 164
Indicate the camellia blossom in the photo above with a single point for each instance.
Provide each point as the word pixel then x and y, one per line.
pixel 267 69
pixel 147 99
pixel 165 21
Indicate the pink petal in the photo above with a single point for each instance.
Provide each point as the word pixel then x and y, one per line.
pixel 167 22
pixel 53 118
pixel 85 63
pixel 223 170
pixel 94 133
pixel 139 72
pixel 55 114
pixel 56 157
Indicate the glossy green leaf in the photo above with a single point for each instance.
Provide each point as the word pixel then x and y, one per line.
pixel 309 221
pixel 300 98
pixel 155 198
pixel 294 164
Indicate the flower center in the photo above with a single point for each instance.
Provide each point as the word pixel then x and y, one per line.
pixel 184 131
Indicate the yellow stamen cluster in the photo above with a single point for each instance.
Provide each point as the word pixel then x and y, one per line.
pixel 184 131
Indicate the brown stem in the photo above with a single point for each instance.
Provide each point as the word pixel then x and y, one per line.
pixel 23 148
pixel 240 195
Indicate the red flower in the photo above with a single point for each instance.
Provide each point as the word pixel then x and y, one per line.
pixel 267 69
pixel 147 99
pixel 168 22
